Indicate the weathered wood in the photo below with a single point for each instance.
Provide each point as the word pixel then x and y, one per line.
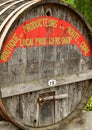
pixel 40 85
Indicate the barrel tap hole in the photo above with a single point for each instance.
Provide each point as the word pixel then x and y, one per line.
pixel 35 120
pixel 48 13
pixel 20 60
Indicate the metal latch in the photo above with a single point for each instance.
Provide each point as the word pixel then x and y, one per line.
pixel 49 98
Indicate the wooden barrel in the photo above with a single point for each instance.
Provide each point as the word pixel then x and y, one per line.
pixel 45 63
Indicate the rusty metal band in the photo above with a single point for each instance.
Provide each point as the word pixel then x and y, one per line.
pixel 17 13
pixel 10 5
pixel 6 2
pixel 6 115
pixel 5 22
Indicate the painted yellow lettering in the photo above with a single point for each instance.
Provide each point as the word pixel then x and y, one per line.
pixel 4 57
pixel 73 33
pixel 52 23
pixel 57 40
pixel 66 40
pixel 84 47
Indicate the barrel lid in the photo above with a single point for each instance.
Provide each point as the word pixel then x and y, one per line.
pixel 36 95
